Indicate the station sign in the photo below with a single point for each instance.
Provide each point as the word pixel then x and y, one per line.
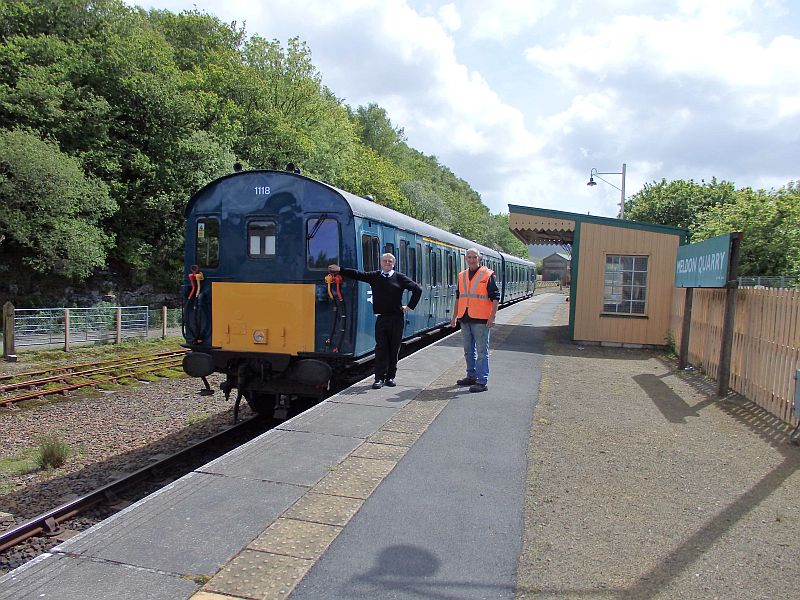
pixel 704 264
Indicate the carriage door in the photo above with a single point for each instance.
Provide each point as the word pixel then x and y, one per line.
pixel 435 283
pixel 451 278
pixel 370 261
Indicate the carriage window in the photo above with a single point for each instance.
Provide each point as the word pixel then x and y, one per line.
pixel 419 262
pixel 207 244
pixel 436 266
pixel 451 268
pixel 261 239
pixel 401 257
pixel 625 289
pixel 412 264
pixel 389 247
pixel 369 250
pixel 322 246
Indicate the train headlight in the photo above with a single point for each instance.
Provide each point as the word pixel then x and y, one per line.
pixel 260 336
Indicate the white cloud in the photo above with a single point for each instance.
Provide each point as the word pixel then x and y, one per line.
pixel 690 95
pixel 449 17
pixel 386 52
pixel 505 19
pixel 697 92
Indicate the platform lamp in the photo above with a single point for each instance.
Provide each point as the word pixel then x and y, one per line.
pixel 595 173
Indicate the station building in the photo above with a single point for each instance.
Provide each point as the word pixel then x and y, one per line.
pixel 556 267
pixel 622 273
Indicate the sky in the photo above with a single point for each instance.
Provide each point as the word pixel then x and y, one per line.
pixel 523 98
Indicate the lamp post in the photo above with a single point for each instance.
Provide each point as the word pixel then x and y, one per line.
pixel 595 173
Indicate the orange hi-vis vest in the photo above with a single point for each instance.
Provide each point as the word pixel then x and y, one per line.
pixel 474 295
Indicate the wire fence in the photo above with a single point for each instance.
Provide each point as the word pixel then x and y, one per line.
pixel 69 326
pixel 782 281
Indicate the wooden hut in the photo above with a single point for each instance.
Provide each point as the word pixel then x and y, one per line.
pixel 622 273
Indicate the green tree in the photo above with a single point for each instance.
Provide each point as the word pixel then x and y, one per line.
pixel 679 202
pixel 50 212
pixel 377 131
pixel 156 104
pixel 770 223
pixel 425 204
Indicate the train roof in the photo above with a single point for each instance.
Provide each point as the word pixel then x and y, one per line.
pixel 369 209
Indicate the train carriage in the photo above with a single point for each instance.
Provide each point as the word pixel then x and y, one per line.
pixel 259 304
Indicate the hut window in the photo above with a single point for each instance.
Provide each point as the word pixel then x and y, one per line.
pixel 625 286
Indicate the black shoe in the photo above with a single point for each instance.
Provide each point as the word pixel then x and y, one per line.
pixel 378 384
pixel 478 387
pixel 466 381
pixel 390 383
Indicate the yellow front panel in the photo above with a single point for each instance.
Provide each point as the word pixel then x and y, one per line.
pixel 263 317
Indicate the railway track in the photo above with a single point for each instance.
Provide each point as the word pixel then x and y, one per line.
pixel 72 377
pixel 163 471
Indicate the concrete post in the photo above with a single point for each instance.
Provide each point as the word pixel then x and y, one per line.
pixel 66 330
pixel 8 332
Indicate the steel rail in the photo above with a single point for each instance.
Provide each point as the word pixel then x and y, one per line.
pixel 133 373
pixel 49 522
pixel 121 364
pixel 90 364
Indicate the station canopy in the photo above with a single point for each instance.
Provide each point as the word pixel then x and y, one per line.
pixel 541 226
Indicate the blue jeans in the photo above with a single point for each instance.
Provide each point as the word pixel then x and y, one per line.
pixel 476 350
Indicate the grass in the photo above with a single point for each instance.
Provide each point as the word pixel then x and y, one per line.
pixel 97 352
pixel 21 463
pixel 52 452
pixel 108 386
pixel 171 374
pixel 148 377
pixel 196 418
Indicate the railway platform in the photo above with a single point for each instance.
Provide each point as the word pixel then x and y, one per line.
pixel 424 478
pixel 630 480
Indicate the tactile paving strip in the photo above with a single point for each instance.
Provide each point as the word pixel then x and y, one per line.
pixel 291 537
pixel 355 477
pixel 324 508
pixel 382 451
pixel 260 575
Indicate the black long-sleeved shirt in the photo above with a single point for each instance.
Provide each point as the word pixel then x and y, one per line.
pixel 387 292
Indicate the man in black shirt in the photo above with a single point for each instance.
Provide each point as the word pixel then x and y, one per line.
pixel 388 286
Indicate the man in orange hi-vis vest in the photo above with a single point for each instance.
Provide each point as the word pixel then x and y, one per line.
pixel 476 306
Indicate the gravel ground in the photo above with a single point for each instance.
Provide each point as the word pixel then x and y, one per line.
pixel 643 485
pixel 108 433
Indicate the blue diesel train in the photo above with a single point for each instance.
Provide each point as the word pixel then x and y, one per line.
pixel 260 306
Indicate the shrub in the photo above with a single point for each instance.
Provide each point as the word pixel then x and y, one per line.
pixel 53 452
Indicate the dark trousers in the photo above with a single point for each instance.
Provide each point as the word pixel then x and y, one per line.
pixel 388 335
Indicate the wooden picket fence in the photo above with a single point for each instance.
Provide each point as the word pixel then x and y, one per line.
pixel 766 342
